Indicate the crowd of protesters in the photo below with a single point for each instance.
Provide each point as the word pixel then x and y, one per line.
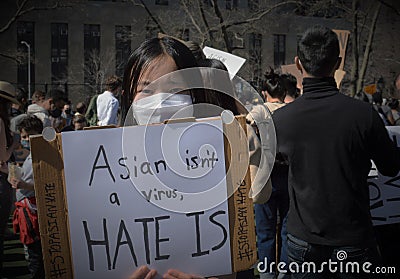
pixel 318 200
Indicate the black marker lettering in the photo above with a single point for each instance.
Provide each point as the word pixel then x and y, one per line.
pixel 146 236
pixel 147 168
pixel 194 160
pixel 187 160
pixel 198 244
pixel 148 197
pixel 91 243
pixel 159 240
pixel 114 199
pixel 212 220
pixel 213 160
pixel 160 162
pixel 122 164
pixel 95 166
pixel 122 229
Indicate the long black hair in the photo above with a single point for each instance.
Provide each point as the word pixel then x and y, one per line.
pixel 140 60
pixel 224 100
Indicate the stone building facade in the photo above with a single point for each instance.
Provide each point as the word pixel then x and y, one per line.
pixel 77 47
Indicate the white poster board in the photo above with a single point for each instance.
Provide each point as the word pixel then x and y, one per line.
pixel 232 62
pixel 384 191
pixel 112 178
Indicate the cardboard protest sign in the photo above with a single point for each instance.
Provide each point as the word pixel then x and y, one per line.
pixel 343 36
pixel 121 213
pixel 339 75
pixel 292 69
pixel 385 191
pixel 48 171
pixel 370 89
pixel 232 62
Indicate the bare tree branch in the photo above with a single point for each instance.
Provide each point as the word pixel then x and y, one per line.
pixel 354 40
pixel 14 17
pixel 203 17
pixel 368 47
pixel 153 17
pixel 390 6
pixel 12 57
pixel 393 60
pixel 223 26
pixel 260 15
pixel 185 8
pixel 21 10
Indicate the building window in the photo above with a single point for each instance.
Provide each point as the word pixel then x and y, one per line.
pixel 59 53
pixel 162 2
pixel 91 45
pixel 231 4
pixel 279 49
pixel 255 56
pixel 122 47
pixel 26 33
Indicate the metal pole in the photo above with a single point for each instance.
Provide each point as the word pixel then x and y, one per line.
pixel 29 68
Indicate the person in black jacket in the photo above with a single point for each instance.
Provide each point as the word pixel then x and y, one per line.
pixel 328 140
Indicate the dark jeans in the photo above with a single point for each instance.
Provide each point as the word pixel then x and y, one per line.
pixel 35 260
pixel 5 207
pixel 267 219
pixel 329 261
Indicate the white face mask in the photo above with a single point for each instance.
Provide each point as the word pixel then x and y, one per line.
pixel 162 106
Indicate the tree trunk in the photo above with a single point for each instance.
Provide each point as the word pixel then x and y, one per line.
pixel 153 17
pixel 223 27
pixel 354 42
pixel 364 66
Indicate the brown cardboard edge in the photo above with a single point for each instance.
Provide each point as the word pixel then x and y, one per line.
pixel 48 168
pixel 48 171
pixel 241 212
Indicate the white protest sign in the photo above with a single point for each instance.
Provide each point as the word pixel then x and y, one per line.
pixel 123 192
pixel 232 62
pixel 384 191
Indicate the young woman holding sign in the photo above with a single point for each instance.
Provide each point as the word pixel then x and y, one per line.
pixel 152 60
